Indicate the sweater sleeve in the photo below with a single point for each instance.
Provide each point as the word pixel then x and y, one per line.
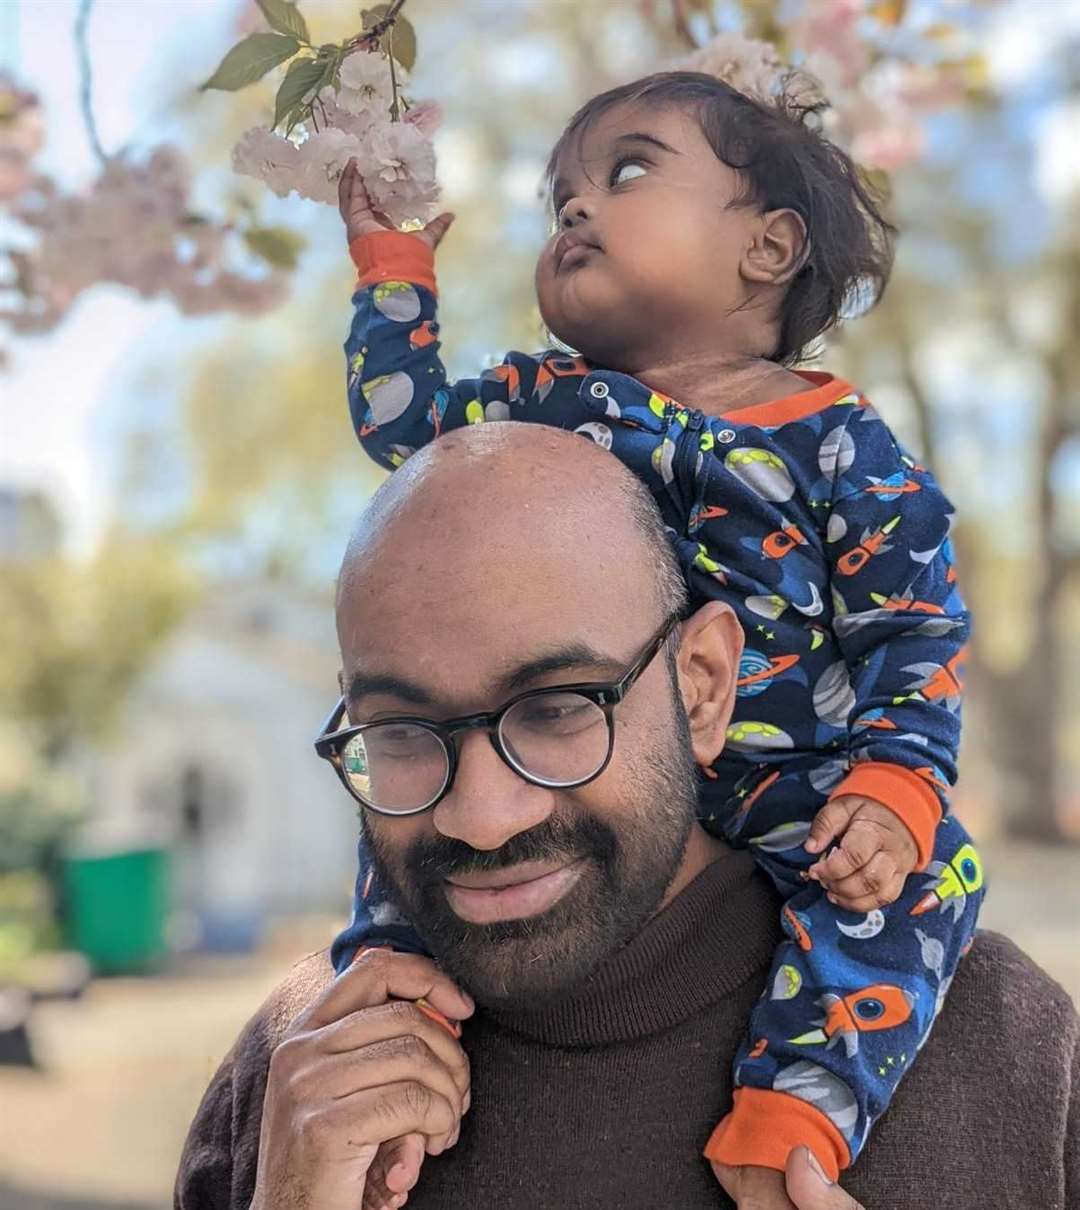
pixel 204 1178
pixel 1072 1133
pixel 399 396
pixel 901 624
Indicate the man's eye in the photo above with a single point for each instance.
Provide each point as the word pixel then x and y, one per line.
pixel 617 172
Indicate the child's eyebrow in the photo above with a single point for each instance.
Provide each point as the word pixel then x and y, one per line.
pixel 637 136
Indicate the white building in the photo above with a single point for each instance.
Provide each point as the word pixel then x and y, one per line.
pixel 215 759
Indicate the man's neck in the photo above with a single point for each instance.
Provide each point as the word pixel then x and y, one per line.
pixel 701 851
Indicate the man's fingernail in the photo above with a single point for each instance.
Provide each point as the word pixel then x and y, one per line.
pixel 812 1160
pixel 466 1100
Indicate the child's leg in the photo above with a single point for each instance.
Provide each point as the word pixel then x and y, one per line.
pixel 374 921
pixel 850 997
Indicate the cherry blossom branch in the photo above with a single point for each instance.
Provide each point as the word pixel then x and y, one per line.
pixel 86 79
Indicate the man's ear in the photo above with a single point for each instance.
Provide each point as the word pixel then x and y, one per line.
pixel 778 250
pixel 711 642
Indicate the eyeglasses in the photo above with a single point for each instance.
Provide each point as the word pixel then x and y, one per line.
pixel 560 737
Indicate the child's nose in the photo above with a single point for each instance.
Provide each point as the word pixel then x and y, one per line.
pixel 576 210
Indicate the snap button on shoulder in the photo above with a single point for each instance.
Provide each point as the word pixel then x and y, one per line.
pixel 599 390
pixel 727 436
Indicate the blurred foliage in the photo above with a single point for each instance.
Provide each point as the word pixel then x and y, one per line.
pixel 76 636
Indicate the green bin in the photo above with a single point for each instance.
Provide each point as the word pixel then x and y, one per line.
pixel 116 908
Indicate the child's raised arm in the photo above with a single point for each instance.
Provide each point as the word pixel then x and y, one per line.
pixel 399 397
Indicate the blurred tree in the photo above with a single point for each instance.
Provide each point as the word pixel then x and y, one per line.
pixel 264 410
pixel 76 636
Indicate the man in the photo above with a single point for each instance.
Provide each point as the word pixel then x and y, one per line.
pixel 612 947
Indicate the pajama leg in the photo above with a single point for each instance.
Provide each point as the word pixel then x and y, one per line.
pixel 849 1001
pixel 374 919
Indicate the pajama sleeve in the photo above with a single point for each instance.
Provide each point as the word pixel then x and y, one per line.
pixel 900 623
pixel 399 397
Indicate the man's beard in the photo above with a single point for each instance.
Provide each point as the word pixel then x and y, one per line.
pixel 627 869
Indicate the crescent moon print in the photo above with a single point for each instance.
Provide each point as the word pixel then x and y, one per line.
pixel 865 929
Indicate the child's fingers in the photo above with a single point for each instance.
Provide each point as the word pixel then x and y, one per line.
pixel 830 822
pixel 857 847
pixel 873 885
pixel 435 230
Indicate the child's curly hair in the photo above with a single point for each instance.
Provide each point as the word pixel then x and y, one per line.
pixel 784 162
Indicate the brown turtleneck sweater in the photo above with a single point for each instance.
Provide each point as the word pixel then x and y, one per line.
pixel 606 1098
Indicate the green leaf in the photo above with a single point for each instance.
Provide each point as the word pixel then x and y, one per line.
pixel 285 17
pixel 278 246
pixel 301 79
pixel 404 35
pixel 250 60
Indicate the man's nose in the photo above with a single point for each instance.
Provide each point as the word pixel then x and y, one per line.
pixel 488 803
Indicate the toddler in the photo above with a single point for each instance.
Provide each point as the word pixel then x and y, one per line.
pixel 704 240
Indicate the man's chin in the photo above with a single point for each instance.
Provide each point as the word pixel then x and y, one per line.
pixel 517 963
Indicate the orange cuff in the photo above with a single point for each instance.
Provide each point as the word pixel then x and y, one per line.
pixel 393 256
pixel 905 793
pixel 764 1127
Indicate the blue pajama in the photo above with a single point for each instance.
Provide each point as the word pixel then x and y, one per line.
pixel 831 544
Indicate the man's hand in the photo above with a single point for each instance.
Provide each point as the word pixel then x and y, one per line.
pixel 802 1186
pixel 876 852
pixel 361 219
pixel 358 1068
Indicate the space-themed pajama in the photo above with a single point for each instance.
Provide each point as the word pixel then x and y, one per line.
pixel 832 546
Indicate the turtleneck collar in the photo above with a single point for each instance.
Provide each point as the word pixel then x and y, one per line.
pixel 714 936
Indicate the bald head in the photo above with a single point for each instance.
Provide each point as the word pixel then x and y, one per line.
pixel 511 512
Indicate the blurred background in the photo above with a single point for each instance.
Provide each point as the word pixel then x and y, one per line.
pixel 177 477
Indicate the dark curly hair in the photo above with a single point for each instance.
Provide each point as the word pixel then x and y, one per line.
pixel 784 162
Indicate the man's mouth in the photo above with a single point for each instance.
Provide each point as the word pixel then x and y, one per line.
pixel 512 893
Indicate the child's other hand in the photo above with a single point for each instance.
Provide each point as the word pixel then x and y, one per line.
pixel 876 852
pixel 361 218
pixel 753 1188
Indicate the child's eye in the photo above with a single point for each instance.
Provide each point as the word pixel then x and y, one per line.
pixel 617 172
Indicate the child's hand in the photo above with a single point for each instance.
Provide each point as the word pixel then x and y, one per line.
pixel 361 219
pixel 753 1188
pixel 876 852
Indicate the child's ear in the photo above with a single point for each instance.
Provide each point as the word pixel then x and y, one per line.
pixel 778 250
pixel 711 643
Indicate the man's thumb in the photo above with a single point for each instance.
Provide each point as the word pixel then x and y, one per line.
pixel 810 1188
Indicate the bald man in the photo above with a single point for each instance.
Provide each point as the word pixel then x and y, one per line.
pixel 545 703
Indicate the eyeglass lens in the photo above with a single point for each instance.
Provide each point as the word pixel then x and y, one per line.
pixel 555 738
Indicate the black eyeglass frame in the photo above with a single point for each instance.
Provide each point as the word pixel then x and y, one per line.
pixel 605 694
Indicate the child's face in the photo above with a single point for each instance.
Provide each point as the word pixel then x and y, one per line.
pixel 664 274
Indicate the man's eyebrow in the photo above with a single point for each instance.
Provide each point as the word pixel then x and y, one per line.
pixel 574 655
pixel 363 684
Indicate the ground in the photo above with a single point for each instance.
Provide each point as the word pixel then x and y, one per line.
pixel 100 1126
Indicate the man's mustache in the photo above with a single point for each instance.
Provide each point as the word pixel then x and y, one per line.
pixel 434 859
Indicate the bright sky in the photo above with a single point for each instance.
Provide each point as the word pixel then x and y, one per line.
pixel 64 391
pixel 60 386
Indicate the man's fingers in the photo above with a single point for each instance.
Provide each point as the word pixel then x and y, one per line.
pixel 810 1189
pixel 377 976
pixel 830 822
pixel 397 1019
pixel 371 1116
pixel 391 1061
pixel 406 1155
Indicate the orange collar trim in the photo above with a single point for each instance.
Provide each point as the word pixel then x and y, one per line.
pixel 825 390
